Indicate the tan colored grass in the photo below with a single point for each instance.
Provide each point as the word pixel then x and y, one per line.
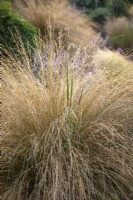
pixel 61 16
pixel 131 11
pixel 66 132
pixel 120 31
pixel 114 63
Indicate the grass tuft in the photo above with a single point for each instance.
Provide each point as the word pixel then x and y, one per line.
pixel 67 126
pixel 120 31
pixel 61 16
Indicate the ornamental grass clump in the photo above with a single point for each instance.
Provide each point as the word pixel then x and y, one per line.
pixel 120 31
pixel 61 16
pixel 114 63
pixel 66 127
pixel 131 11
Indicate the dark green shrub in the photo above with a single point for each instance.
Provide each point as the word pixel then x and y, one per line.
pixel 10 24
pixel 95 8
pixel 120 7
pixel 100 14
pixel 88 4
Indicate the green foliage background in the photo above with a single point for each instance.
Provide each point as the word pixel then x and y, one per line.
pixel 11 23
pixel 99 10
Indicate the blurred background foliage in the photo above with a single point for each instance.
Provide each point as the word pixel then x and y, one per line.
pixel 13 23
pixel 100 10
pixel 115 18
